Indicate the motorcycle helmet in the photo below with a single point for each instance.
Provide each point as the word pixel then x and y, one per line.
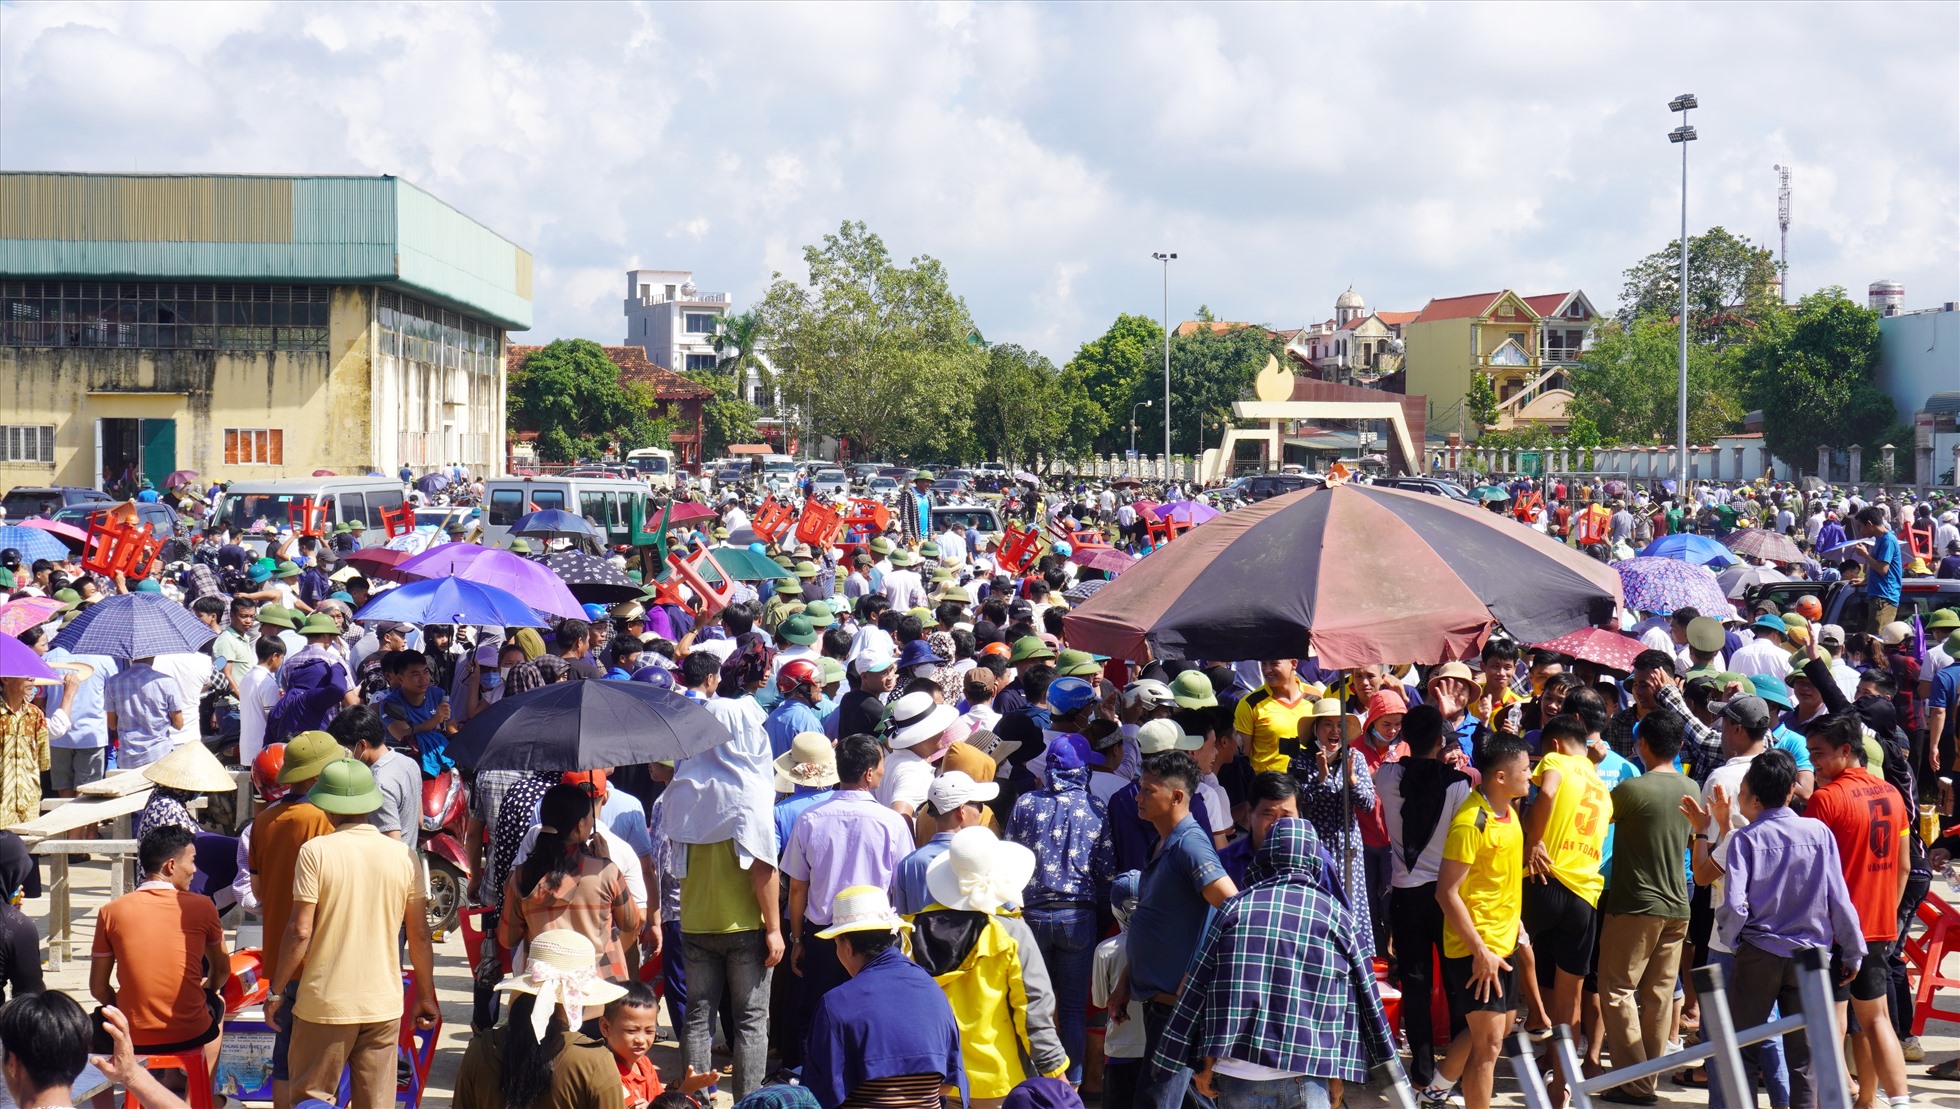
pixel 1150 693
pixel 595 614
pixel 797 672
pixel 266 766
pixel 1067 695
pixel 1810 609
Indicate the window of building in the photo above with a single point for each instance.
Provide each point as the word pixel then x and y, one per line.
pixel 700 323
pixel 700 362
pixel 418 332
pixel 255 446
pixel 27 443
pixel 206 316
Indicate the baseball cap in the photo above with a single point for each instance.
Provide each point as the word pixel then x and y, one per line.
pixel 1750 712
pixel 873 660
pixel 1158 736
pixel 591 781
pixel 955 788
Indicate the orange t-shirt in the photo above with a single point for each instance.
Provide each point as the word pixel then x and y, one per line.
pixel 158 937
pixel 1869 820
pixel 641 1079
pixel 278 833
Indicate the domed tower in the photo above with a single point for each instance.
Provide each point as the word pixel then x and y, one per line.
pixel 1349 306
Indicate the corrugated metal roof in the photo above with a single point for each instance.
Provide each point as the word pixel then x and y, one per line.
pixel 335 230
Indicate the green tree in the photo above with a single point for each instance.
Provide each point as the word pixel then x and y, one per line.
pixel 1111 368
pixel 571 394
pixel 1209 370
pixel 1627 384
pixel 884 353
pixel 1731 286
pixel 1480 403
pixel 1026 407
pixel 726 417
pixel 1812 376
pixel 738 341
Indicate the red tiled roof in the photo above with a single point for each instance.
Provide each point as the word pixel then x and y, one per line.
pixel 633 366
pixel 1547 304
pixel 1190 327
pixel 1396 319
pixel 1458 308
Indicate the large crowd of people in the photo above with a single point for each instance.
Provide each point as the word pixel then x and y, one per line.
pixel 946 856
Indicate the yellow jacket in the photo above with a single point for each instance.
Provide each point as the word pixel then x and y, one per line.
pixel 1000 993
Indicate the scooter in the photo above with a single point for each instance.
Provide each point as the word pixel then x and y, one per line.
pixel 445 812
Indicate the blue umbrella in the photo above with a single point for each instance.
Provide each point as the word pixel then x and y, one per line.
pixel 432 483
pixel 32 543
pixel 450 601
pixel 18 660
pixel 135 625
pixel 1688 547
pixel 553 523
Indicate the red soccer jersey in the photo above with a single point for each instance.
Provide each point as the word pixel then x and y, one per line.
pixel 1870 821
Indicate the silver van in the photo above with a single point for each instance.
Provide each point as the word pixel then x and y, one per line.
pixel 607 502
pixel 247 504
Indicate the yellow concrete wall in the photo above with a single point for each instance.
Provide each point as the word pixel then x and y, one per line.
pixel 321 400
pixel 1436 356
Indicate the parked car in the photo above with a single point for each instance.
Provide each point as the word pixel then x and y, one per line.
pixel 952 487
pixel 1434 486
pixel 1258 487
pixel 23 501
pixel 882 487
pixel 1845 605
pixel 830 482
pixel 163 519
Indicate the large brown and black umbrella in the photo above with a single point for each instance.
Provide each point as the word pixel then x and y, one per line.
pixel 1365 573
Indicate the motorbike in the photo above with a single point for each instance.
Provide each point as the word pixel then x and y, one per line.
pixel 445 813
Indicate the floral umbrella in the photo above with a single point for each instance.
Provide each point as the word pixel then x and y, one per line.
pixel 1597 645
pixel 1665 584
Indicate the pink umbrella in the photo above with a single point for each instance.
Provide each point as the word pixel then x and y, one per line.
pixel 1107 559
pixel 1597 645
pixel 1146 508
pixel 28 612
pixel 531 582
pixel 685 512
pixel 69 532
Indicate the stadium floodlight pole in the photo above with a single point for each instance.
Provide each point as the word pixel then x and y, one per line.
pixel 1683 135
pixel 1167 259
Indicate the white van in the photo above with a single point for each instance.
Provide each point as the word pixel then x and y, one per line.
pixel 607 502
pixel 247 504
pixel 654 465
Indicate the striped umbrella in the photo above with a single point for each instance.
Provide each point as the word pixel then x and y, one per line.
pixel 1368 573
pixel 1769 546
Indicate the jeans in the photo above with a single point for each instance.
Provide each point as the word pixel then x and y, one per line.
pixel 1278 1093
pixel 1120 1077
pixel 1759 986
pixel 1154 1091
pixel 1918 881
pixel 821 974
pixel 1066 937
pixel 734 960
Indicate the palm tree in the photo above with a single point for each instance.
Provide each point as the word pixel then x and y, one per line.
pixel 737 340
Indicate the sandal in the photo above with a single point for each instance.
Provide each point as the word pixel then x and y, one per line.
pixel 1949 1070
pixel 1686 1078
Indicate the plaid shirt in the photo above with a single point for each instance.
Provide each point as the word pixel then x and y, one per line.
pixel 1281 980
pixel 1702 749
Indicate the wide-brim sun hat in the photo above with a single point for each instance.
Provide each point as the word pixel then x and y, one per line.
pixel 863 909
pixel 979 872
pixel 1331 708
pixel 307 754
pixel 916 718
pixel 192 768
pixel 810 761
pixel 561 968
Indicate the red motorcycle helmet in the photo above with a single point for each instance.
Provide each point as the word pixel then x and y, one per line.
pixel 798 672
pixel 266 766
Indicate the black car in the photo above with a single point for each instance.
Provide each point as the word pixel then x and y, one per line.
pixel 163 519
pixel 1259 487
pixel 23 501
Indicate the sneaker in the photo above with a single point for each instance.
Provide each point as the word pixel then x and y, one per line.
pixel 1913 1051
pixel 1430 1099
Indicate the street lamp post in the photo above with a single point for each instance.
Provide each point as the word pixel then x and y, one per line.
pixel 1167 259
pixel 1683 135
pixel 1133 423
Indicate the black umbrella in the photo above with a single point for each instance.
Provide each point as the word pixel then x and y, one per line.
pixel 593 580
pixel 587 725
pixel 432 483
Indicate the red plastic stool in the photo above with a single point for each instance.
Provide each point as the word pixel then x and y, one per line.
pixel 1924 954
pixel 197 1077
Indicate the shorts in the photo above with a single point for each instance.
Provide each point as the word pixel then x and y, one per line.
pixel 1562 928
pixel 1456 979
pixel 75 767
pixel 1872 982
pixel 215 1007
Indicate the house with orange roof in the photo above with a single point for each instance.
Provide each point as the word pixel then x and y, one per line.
pixel 1358 344
pixel 1504 336
pixel 675 397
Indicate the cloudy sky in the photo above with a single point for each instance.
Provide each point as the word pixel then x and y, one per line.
pixel 1043 151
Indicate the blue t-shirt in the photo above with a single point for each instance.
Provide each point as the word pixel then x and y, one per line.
pixel 1783 739
pixel 1885 586
pixel 1612 770
pixel 432 746
pixel 1171 910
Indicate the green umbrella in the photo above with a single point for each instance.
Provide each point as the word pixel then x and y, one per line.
pixel 1488 493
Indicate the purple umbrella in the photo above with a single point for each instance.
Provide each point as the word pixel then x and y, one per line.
pixel 530 582
pixel 18 660
pixel 1664 585
pixel 1189 513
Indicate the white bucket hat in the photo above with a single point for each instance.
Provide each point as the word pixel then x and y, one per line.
pixel 863 909
pixel 561 969
pixel 980 872
pixel 916 717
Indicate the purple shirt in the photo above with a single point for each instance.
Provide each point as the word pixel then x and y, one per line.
pixel 850 840
pixel 1785 889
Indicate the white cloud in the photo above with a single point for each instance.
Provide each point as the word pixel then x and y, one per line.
pixel 1042 151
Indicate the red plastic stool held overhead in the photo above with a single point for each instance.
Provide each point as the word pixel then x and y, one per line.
pixel 197 1077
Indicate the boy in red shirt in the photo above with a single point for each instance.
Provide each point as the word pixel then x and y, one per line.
pixel 630 1026
pixel 1869 820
